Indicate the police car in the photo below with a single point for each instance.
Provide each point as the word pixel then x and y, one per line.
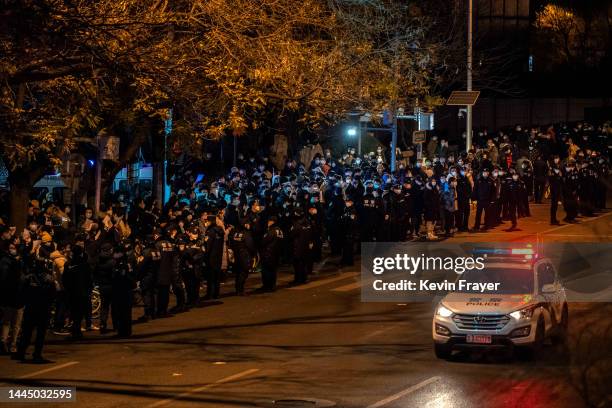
pixel 529 307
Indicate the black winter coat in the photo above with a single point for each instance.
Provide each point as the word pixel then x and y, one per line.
pixel 431 201
pixel 11 281
pixel 214 241
pixel 271 245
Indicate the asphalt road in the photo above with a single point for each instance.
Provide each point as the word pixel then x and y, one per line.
pixel 320 342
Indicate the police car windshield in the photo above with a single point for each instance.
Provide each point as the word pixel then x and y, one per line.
pixel 511 280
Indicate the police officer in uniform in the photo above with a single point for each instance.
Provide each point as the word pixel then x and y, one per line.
pixel 348 226
pixel 123 285
pixel 514 189
pixel 555 181
pixel 193 263
pixel 370 215
pixel 586 187
pixel 570 189
pixel 540 171
pixel 147 275
pixel 176 279
pixel 483 193
pixel 464 192
pixel 168 268
pixel 270 253
pixel 301 239
pixel 214 243
pixel 398 215
pixel 243 245
pixel 39 292
pixel 408 206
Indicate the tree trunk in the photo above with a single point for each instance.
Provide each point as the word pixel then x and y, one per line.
pixel 19 197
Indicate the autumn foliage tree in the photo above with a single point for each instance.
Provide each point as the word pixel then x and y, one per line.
pixel 81 67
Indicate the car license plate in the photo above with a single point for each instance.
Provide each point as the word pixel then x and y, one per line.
pixel 479 339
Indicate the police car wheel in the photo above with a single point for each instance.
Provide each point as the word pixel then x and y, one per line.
pixel 535 348
pixel 442 351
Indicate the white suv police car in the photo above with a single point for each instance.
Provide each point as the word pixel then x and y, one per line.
pixel 529 307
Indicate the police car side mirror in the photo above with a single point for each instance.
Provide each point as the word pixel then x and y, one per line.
pixel 549 288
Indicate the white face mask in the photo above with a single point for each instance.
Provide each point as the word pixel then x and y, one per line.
pixel 515 177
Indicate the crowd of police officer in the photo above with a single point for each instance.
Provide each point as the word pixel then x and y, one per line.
pixel 256 217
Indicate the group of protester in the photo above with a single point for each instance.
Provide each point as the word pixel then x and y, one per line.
pixel 257 217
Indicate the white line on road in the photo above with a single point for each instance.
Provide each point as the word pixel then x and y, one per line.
pixel 321 282
pixel 405 392
pixel 380 331
pixel 48 370
pixel 205 387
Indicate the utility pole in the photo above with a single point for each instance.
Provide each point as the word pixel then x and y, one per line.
pixel 359 136
pixel 167 131
pixel 394 138
pixel 468 130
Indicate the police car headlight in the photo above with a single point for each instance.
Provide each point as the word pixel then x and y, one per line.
pixel 443 311
pixel 523 314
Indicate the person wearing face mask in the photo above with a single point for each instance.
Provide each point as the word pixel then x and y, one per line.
pixel 570 192
pixel 12 275
pixel 526 176
pixel 38 295
pixel 270 254
pixel 124 282
pixel 484 162
pixel 242 244
pixel 602 171
pixel 540 171
pixel 514 192
pixel 409 207
pixel 431 207
pixel 496 203
pixel 301 243
pixel 449 205
pixel 432 147
pixel 314 216
pixel 483 193
pixel 214 247
pixel 464 192
pixel 586 189
pixel 370 214
pixel 78 279
pixel 555 182
pixel 349 231
pixel 418 190
pixel 398 214
pixel 192 263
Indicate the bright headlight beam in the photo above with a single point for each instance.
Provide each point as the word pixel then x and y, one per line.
pixel 444 312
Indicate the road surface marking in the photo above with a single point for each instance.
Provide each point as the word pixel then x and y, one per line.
pixel 380 331
pixel 405 392
pixel 570 224
pixel 205 387
pixel 48 370
pixel 347 288
pixel 321 282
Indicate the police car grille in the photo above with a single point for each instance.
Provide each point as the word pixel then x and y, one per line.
pixel 480 322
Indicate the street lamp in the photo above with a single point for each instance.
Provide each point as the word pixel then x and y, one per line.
pixel 352 131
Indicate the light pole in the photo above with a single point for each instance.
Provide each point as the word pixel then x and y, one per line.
pixel 468 130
